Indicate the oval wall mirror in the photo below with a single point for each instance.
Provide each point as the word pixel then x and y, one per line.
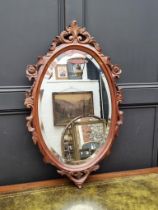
pixel 74 104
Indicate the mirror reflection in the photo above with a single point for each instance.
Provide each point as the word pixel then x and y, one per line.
pixel 74 87
pixel 82 138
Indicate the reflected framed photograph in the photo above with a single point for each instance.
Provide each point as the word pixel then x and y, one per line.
pixel 61 71
pixel 69 105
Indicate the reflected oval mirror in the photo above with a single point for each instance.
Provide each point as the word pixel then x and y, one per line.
pixel 82 139
pixel 74 102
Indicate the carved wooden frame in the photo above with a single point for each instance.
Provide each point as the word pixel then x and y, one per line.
pixel 74 37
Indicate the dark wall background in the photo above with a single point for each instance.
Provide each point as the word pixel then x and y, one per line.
pixel 127 31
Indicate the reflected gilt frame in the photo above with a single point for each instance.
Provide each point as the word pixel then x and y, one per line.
pixel 74 37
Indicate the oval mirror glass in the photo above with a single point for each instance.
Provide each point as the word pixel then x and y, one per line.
pixel 73 86
pixel 82 139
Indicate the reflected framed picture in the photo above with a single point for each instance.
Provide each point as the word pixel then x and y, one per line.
pixel 61 71
pixel 89 134
pixel 69 105
pixel 76 67
pixel 91 131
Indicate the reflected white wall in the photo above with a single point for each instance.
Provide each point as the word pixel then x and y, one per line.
pixel 51 133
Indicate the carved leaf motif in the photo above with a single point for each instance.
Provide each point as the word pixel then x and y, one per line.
pixel 94 44
pixel 78 177
pixel 34 137
pixel 120 118
pixel 29 102
pixel 107 60
pixel 119 121
pixel 116 71
pixel 29 123
pixel 74 34
pixel 119 97
pixel 56 42
pixel 31 72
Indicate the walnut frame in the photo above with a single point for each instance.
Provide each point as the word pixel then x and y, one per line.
pixel 74 37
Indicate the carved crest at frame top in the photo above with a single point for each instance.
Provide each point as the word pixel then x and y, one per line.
pixel 74 34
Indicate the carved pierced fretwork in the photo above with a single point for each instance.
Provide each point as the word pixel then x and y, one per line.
pixel 74 34
pixel 78 177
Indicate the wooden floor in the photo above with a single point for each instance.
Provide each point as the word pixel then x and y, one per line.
pixel 132 190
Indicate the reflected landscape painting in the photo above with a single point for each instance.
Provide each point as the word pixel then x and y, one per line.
pixel 68 105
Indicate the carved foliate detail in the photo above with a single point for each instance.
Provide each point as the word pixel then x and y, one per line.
pixel 29 100
pixel 116 71
pixel 29 104
pixel 31 72
pixel 74 34
pixel 78 177
pixel 107 60
pixel 119 99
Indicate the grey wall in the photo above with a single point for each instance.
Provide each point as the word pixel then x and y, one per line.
pixel 126 31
